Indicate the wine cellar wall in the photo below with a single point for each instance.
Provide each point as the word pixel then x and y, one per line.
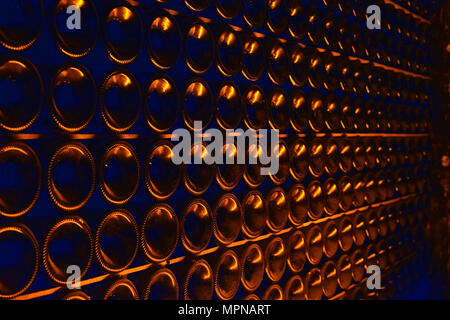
pixel 92 90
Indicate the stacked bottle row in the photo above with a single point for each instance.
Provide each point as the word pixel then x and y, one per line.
pixel 367 169
pixel 163 36
pixel 339 26
pixel 384 101
pixel 334 252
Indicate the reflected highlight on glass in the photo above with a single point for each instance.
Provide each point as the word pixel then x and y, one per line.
pixel 159 232
pixel 17 273
pixel 20 172
pixel 119 173
pixel 22 105
pixel 71 176
pixel 73 97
